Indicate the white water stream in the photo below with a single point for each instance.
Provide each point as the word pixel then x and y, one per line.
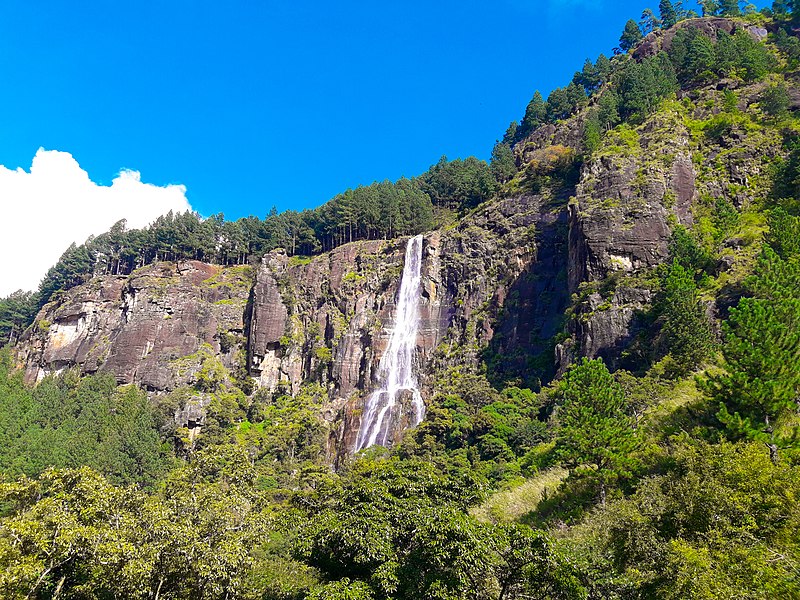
pixel 396 369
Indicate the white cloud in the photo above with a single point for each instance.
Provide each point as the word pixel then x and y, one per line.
pixel 42 212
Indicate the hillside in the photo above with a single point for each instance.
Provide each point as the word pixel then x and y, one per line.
pixel 605 334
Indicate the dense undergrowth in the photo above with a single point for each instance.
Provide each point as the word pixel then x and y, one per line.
pixel 676 476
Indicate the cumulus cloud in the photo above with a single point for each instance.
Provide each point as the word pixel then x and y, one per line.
pixel 43 211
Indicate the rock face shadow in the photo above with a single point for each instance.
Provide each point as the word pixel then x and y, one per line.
pixel 521 351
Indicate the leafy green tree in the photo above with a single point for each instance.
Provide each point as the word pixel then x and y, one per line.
pixel 594 427
pixel 563 102
pixel 71 422
pixel 642 86
pixel 789 45
pixel 459 184
pixel 784 233
pixel 16 313
pixel 510 136
pixel 631 35
pixel 711 526
pixel 589 78
pixel 684 249
pixel 700 58
pixel 604 67
pixel 780 8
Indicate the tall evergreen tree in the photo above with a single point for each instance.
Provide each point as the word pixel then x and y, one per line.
pixel 535 114
pixel 649 22
pixel 669 16
pixel 758 388
pixel 729 8
pixel 686 327
pixel 631 34
pixel 594 427
pixel 502 163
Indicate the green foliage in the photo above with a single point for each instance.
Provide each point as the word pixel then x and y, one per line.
pixel 631 34
pixel 563 102
pixel 757 389
pixel 729 8
pixel 69 421
pixel 458 184
pixel 400 528
pixel 535 115
pixel 642 85
pixel 594 427
pixel 16 313
pixel 669 16
pixel 684 250
pixel 608 110
pixel 697 58
pixel 72 533
pixel 784 233
pixel 789 45
pixel 775 100
pixel 718 524
pixel 686 329
pixel 503 164
pixel 709 7
pixel 592 132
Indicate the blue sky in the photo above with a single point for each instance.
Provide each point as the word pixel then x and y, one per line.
pixel 250 104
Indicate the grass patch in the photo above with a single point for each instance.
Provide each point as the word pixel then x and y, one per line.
pixel 513 503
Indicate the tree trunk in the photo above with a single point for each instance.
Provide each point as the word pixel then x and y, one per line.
pixel 773 452
pixel 59 587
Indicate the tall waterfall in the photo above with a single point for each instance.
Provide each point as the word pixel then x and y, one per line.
pixel 396 369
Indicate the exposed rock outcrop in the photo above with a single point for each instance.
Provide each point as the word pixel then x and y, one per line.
pixel 137 327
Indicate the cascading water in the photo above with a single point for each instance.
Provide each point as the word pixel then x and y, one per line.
pixel 396 369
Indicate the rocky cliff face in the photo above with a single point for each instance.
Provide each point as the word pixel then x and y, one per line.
pixel 137 327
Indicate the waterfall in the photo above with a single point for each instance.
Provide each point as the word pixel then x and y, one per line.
pixel 396 368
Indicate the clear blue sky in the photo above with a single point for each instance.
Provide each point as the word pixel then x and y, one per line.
pixel 256 103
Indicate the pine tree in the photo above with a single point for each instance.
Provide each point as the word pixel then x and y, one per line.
pixel 535 114
pixel 758 389
pixel 630 35
pixel 668 14
pixel 608 109
pixel 729 8
pixel 510 136
pixel 503 165
pixel 603 66
pixel 589 77
pixel 592 132
pixel 594 427
pixel 649 22
pixel 686 327
pixel 784 233
pixel 559 105
pixel 700 57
